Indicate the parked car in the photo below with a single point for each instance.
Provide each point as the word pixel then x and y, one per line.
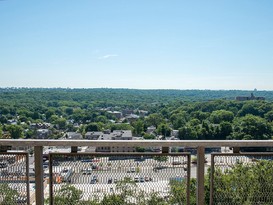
pixel 94 179
pixel 110 180
pixel 148 179
pixel 87 160
pixel 66 175
pixel 176 163
pixel 3 164
pixel 94 166
pixel 136 179
pixel 141 179
pixel 133 169
pixel 45 164
pixel 21 200
pixel 87 171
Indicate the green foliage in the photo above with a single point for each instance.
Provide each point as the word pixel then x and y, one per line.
pixel 8 195
pixel 160 158
pixel 187 133
pixel 15 131
pixel 140 149
pixel 154 119
pixel 178 192
pixel 269 116
pixel 61 123
pixel 226 130
pixel 252 127
pixel 178 120
pixel 92 127
pixel 219 116
pixel 120 127
pixel 138 127
pixel 245 184
pixel 148 136
pixel 196 114
pixel 113 199
pixel 67 195
pixel 164 130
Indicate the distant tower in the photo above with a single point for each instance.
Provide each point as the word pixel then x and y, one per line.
pixel 255 89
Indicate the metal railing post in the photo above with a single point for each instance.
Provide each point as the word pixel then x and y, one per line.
pixel 74 149
pixel 39 175
pixel 212 179
pixel 165 149
pixel 27 174
pixel 200 176
pixel 188 178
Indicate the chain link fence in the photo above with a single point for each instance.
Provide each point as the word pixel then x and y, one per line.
pixel 241 179
pixel 80 178
pixel 14 178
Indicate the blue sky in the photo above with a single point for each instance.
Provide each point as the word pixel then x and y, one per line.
pixel 145 44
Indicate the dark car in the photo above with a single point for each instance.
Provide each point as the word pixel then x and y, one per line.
pixel 110 181
pixel 87 160
pixel 3 164
pixel 176 163
pixel 141 179
pixel 93 181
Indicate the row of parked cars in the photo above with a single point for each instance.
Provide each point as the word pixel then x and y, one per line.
pixel 136 179
pixel 142 179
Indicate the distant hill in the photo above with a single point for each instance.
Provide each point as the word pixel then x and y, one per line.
pixel 135 95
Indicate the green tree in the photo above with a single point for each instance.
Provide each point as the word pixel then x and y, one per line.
pixel 3 119
pixel 8 195
pixel 252 127
pixel 1 132
pixel 249 108
pixel 113 199
pixel 154 119
pixel 138 127
pixel 15 131
pixel 148 136
pixel 127 188
pixel 69 110
pixel 200 115
pixel 187 133
pixel 178 120
pixel 121 126
pixel 226 130
pixel 219 116
pixel 92 127
pixel 163 129
pixel 269 116
pixel 245 184
pixel 161 158
pixel 61 123
pixel 67 195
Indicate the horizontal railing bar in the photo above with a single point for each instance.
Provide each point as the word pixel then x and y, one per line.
pixel 243 154
pixel 121 154
pixel 138 143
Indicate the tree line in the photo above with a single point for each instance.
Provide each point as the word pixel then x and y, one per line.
pixel 195 114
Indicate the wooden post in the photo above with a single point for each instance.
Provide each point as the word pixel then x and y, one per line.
pixel 39 175
pixel 200 176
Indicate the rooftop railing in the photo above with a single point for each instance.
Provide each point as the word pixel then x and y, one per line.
pixel 172 178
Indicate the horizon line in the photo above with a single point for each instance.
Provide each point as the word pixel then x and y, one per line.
pixel 123 88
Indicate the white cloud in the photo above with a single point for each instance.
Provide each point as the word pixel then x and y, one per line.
pixel 108 56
